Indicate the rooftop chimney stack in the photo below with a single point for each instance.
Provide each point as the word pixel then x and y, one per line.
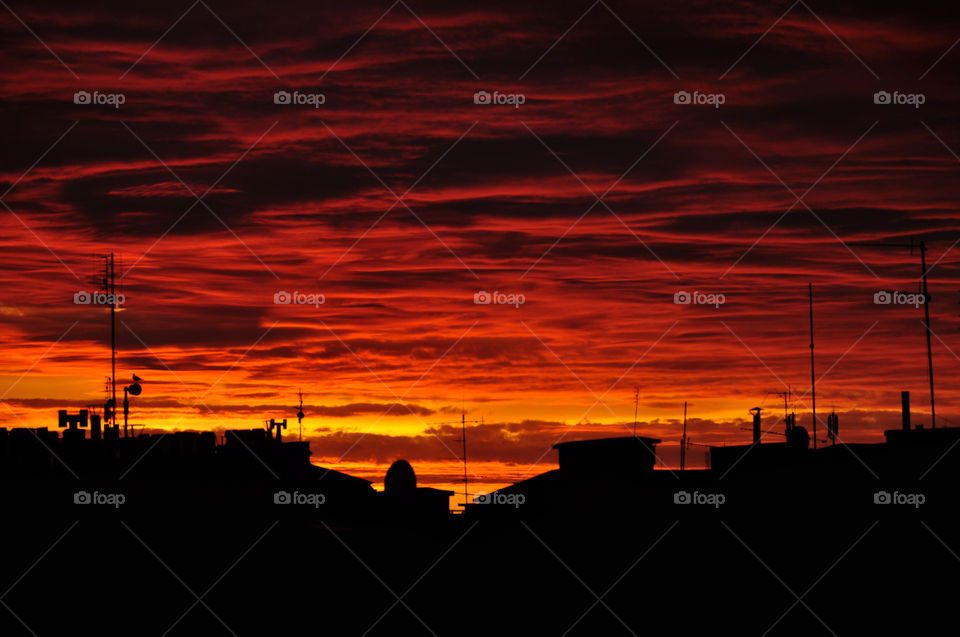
pixel 73 423
pixel 278 425
pixel 756 424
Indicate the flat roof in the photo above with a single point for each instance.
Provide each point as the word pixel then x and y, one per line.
pixel 607 441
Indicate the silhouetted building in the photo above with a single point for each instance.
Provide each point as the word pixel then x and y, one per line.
pixel 595 474
pixel 180 469
pixel 624 457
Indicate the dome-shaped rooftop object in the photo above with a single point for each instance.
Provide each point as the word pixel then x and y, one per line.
pixel 400 478
pixel 798 437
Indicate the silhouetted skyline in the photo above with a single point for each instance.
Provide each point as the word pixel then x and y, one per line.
pixel 500 285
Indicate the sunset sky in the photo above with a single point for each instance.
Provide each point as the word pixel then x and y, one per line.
pixel 397 200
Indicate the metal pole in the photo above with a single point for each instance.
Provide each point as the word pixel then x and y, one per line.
pixel 926 323
pixel 113 343
pixel 683 440
pixel 463 438
pixel 813 388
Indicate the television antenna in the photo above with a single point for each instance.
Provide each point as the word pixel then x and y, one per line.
pixel 922 247
pixel 300 415
pixel 813 379
pixel 109 284
pixel 683 439
pixel 785 394
pixel 463 442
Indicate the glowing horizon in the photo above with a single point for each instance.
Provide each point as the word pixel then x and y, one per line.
pixel 421 242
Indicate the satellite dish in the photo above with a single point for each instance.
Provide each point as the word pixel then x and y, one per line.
pixel 135 389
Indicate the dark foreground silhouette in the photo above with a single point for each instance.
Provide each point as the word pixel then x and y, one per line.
pixel 187 535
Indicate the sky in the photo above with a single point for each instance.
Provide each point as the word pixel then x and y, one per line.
pixel 411 211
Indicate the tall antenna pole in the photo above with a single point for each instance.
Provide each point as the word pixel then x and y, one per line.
pixel 683 439
pixel 926 310
pixel 636 404
pixel 300 415
pixel 110 286
pixel 463 442
pixel 813 388
pixel 463 439
pixel 926 324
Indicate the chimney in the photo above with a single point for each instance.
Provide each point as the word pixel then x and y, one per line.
pixel 905 409
pixel 756 424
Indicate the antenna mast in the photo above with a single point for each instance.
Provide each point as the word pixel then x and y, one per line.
pixel 926 324
pixel 300 415
pixel 813 382
pixel 926 308
pixel 785 394
pixel 110 289
pixel 463 440
pixel 683 439
pixel 636 403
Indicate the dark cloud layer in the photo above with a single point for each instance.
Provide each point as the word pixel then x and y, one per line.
pixel 303 201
